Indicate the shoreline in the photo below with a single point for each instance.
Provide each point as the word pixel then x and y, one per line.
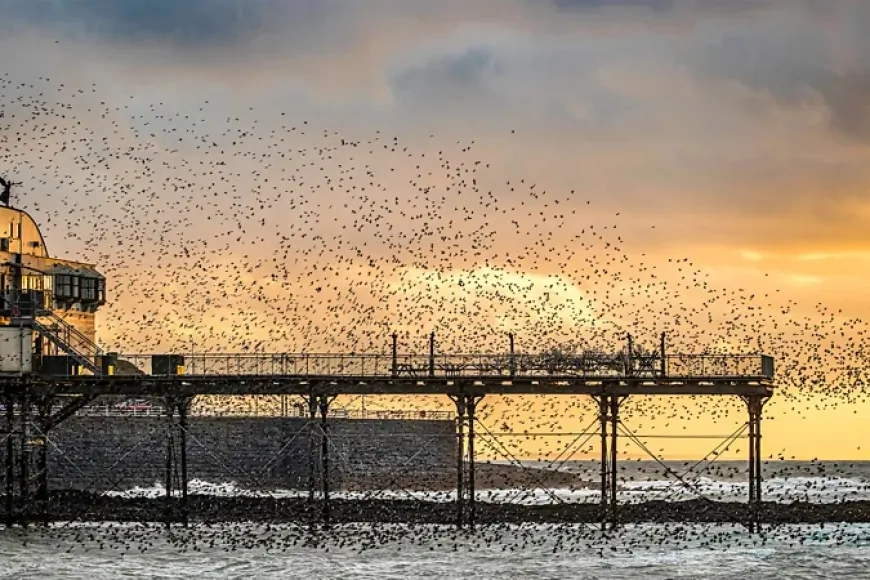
pixel 65 506
pixel 488 476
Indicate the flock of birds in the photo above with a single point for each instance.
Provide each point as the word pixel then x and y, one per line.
pixel 257 232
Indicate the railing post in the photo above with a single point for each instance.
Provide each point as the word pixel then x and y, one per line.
pixel 513 360
pixel 394 370
pixel 664 368
pixel 432 354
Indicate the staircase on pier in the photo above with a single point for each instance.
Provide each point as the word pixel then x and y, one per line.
pixel 65 337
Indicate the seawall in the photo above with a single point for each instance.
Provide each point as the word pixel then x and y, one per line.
pixel 256 453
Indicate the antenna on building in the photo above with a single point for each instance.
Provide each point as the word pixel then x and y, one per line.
pixel 7 188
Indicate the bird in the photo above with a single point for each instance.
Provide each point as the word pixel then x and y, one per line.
pixel 269 236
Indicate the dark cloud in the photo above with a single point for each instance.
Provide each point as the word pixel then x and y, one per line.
pixel 670 7
pixel 797 68
pixel 848 98
pixel 450 79
pixel 188 23
pixel 655 5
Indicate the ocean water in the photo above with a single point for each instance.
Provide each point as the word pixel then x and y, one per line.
pixel 96 552
pixel 644 551
pixel 784 481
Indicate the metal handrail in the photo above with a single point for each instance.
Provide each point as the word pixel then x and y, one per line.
pixel 338 413
pixel 588 364
pixel 69 328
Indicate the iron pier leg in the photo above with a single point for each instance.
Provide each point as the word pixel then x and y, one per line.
pixel 614 422
pixel 759 476
pixel 169 456
pixel 602 404
pixel 24 455
pixel 753 428
pixel 756 404
pixel 42 492
pixel 312 431
pixel 182 450
pixel 10 459
pixel 44 412
pixel 471 405
pixel 324 456
pixel 460 450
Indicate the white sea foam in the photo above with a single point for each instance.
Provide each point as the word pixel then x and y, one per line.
pixel 780 489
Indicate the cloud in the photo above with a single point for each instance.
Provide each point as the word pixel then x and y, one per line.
pixel 188 25
pixel 801 59
pixel 450 80
pixel 726 124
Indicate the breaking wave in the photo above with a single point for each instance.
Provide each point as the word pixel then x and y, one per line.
pixel 778 489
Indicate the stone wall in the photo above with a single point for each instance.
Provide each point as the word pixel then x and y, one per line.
pixel 261 453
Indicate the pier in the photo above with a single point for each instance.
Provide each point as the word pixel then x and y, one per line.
pixel 36 403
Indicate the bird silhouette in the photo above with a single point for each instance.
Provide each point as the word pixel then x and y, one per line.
pixel 252 240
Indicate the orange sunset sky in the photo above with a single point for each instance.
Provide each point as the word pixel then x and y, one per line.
pixel 298 174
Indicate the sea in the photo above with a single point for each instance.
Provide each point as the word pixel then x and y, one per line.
pixel 97 551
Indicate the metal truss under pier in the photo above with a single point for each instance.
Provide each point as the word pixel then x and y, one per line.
pixel 31 408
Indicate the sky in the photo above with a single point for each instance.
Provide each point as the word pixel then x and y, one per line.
pixel 734 135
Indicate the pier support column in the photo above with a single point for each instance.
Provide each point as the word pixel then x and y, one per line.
pixel 466 406
pixel 10 457
pixel 312 434
pixel 755 404
pixel 183 409
pixel 608 414
pixel 602 418
pixel 170 442
pixel 177 510
pixel 470 408
pixel 323 403
pixel 24 455
pixel 18 478
pixel 614 424
pixel 42 460
pixel 459 401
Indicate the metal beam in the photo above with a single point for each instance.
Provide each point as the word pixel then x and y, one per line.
pixel 333 386
pixel 67 411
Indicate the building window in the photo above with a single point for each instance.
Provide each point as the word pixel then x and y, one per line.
pixel 101 290
pixel 76 287
pixel 89 289
pixel 63 286
pixel 31 282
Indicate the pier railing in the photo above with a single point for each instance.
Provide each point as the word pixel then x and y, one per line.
pixel 589 364
pixel 292 411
